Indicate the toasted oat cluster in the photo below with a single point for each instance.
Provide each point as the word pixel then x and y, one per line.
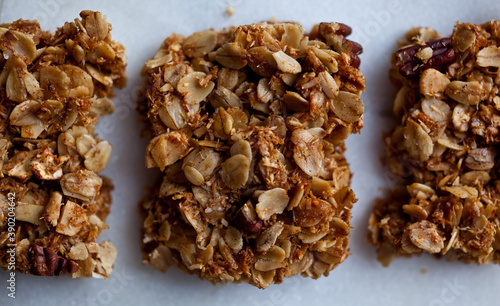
pixel 53 88
pixel 444 151
pixel 248 127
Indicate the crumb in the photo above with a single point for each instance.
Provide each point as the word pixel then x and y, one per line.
pixel 230 10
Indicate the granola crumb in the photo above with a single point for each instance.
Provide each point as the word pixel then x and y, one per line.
pixel 248 126
pixel 230 10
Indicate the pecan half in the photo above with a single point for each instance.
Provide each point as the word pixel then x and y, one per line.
pixel 46 262
pixel 410 65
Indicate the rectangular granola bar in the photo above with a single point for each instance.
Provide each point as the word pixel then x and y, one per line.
pixel 444 150
pixel 248 127
pixel 53 88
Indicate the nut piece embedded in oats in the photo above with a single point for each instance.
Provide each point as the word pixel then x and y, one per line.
pixel 247 125
pixel 444 150
pixel 54 87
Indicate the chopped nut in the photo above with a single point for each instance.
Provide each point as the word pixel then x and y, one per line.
pixel 53 208
pixel 29 213
pixel 246 219
pixel 166 149
pixel 410 66
pixel 19 165
pixel 73 219
pixel 461 117
pixel 424 54
pixel 107 256
pixel 46 166
pixel 46 262
pixel 79 251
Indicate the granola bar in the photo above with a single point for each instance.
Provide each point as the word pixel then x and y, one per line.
pixel 444 150
pixel 53 89
pixel 248 127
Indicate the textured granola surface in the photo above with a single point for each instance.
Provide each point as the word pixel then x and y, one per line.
pixel 444 150
pixel 53 88
pixel 247 125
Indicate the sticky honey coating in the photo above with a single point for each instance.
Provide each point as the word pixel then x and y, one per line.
pixel 247 125
pixel 53 89
pixel 444 151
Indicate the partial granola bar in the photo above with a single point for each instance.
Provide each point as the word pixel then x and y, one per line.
pixel 248 127
pixel 444 150
pixel 53 89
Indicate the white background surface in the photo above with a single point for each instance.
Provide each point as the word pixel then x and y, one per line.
pixel 141 26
